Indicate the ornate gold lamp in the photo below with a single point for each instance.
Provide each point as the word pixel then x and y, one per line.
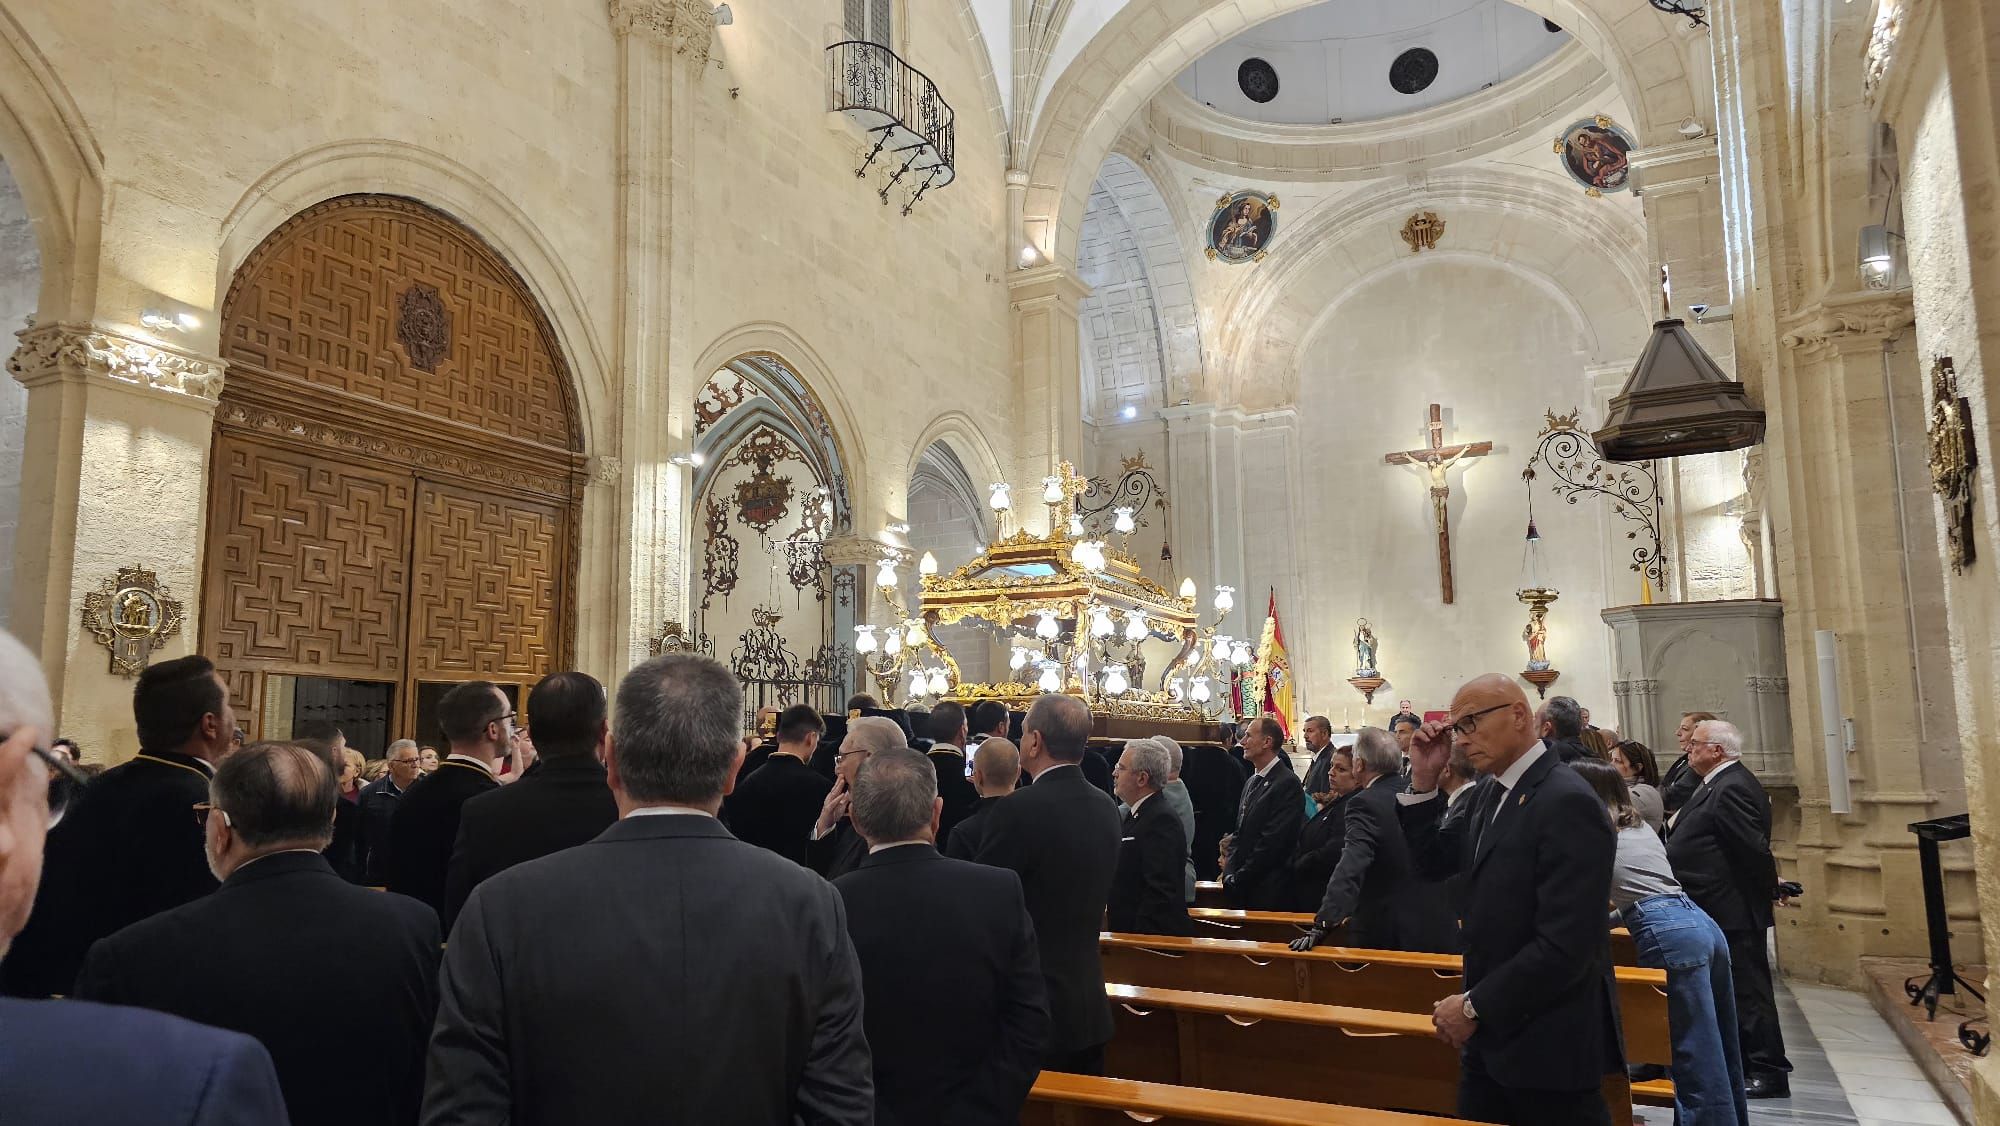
pixel 1538 596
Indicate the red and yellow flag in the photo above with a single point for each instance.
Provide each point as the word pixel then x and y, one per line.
pixel 1274 668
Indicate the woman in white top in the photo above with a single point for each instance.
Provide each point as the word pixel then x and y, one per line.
pixel 1674 935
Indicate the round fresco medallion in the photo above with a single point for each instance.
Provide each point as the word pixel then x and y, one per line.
pixel 1242 226
pixel 1596 153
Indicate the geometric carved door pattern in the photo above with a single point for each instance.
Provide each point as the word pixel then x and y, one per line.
pixel 397 474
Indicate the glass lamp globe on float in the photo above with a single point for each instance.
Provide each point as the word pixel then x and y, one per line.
pixel 1051 680
pixel 939 682
pixel 1188 590
pixel 1200 694
pixel 1135 627
pixel 918 635
pixel 1225 599
pixel 1116 682
pixel 1047 629
pixel 864 639
pixel 893 643
pixel 1239 654
pixel 1018 659
pixel 927 566
pixel 1100 622
pixel 1221 650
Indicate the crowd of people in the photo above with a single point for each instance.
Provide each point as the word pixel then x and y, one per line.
pixel 884 916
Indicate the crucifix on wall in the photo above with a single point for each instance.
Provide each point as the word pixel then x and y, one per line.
pixel 1438 459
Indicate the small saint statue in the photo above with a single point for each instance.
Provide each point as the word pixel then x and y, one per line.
pixel 1536 634
pixel 1364 649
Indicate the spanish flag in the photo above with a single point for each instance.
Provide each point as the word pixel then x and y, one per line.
pixel 1274 666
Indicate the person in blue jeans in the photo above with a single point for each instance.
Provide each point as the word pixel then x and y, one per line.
pixel 1673 934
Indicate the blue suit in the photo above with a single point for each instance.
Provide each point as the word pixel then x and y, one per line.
pixel 75 1061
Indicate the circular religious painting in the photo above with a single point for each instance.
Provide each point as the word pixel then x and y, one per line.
pixel 1596 153
pixel 1242 226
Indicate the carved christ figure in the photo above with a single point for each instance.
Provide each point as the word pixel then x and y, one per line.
pixel 1438 459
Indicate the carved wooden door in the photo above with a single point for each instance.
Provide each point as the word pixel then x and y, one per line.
pixel 395 479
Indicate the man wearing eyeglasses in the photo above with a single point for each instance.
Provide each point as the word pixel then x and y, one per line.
pixel 127 848
pixel 1534 1025
pixel 378 802
pixel 836 847
pixel 478 723
pixel 73 1061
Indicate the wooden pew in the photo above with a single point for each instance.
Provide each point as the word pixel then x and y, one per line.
pixel 1284 926
pixel 1060 1099
pixel 1208 893
pixel 1289 1049
pixel 1399 981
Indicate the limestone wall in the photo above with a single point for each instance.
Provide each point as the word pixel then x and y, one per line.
pixel 20 277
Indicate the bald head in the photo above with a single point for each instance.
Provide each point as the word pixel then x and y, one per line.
pixel 1495 724
pixel 277 795
pixel 25 719
pixel 996 768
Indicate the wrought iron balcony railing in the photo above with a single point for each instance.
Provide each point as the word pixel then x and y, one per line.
pixel 900 107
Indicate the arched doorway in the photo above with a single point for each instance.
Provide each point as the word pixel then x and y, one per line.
pixel 395 479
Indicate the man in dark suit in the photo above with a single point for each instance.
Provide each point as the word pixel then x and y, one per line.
pixel 1561 728
pixel 1372 886
pixel 1267 822
pixel 1321 838
pixel 1146 893
pixel 560 804
pixel 836 846
pixel 1319 741
pixel 238 959
pixel 129 847
pixel 378 803
pixel 774 806
pixel 1535 1024
pixel 996 772
pixel 478 724
pixel 1215 787
pixel 1719 844
pixel 1061 836
pixel 1678 783
pixel 988 719
pixel 572 984
pixel 925 927
pixel 77 1062
pixel 947 729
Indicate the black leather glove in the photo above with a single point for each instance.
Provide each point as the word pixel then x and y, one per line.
pixel 1308 940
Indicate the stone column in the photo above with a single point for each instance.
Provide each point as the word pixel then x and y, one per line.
pixel 1048 375
pixel 663 46
pixel 114 474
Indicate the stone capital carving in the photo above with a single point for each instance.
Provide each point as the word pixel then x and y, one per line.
pixel 860 551
pixel 1768 685
pixel 688 26
pixel 52 352
pixel 1639 687
pixel 1850 321
pixel 605 470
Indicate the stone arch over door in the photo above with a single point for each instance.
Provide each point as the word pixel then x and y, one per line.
pixel 397 471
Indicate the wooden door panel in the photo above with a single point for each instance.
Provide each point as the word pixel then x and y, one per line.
pixel 488 597
pixel 307 561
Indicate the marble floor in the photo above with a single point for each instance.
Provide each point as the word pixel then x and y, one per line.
pixel 1848 1068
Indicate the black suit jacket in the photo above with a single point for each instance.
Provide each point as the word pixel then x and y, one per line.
pixel 424 829
pixel 1318 770
pixel 560 805
pixel 1146 888
pixel 837 853
pixel 664 972
pixel 971 832
pixel 776 806
pixel 76 1062
pixel 1097 769
pixel 128 848
pixel 1061 836
pixel 1537 951
pixel 317 970
pixel 1569 750
pixel 1373 886
pixel 1720 849
pixel 1315 854
pixel 1678 784
pixel 378 807
pixel 926 928
pixel 958 792
pixel 1214 786
pixel 1267 831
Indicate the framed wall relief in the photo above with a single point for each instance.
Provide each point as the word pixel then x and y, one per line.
pixel 1597 154
pixel 1953 457
pixel 1242 227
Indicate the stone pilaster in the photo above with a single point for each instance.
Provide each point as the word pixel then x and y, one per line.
pixel 114 474
pixel 1048 375
pixel 663 47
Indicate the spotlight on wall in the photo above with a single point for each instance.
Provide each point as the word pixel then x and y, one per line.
pixel 1878 259
pixel 693 459
pixel 1030 257
pixel 723 16
pixel 1129 412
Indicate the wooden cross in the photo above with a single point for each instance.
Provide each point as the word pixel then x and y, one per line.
pixel 1438 458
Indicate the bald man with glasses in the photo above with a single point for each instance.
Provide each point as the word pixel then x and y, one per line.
pixel 1534 1024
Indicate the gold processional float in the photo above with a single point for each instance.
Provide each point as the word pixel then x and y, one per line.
pixel 1076 615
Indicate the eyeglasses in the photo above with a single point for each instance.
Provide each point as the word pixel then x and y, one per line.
pixel 413 761
pixel 503 718
pixel 201 811
pixel 1466 726
pixel 844 754
pixel 62 765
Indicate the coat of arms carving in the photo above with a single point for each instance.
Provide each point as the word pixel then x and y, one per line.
pixel 1953 458
pixel 423 326
pixel 1422 231
pixel 132 615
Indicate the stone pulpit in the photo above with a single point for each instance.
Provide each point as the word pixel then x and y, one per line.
pixel 1725 657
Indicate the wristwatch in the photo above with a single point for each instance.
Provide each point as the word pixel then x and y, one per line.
pixel 1465 1002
